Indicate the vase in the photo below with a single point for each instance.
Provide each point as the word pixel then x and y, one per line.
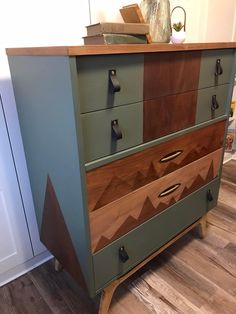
pixel 156 13
pixel 178 37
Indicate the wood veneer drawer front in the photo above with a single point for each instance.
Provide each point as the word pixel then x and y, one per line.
pixel 168 114
pixel 212 103
pixel 216 67
pixel 110 182
pixel 101 130
pixel 111 221
pixel 170 73
pixel 150 236
pixel 96 88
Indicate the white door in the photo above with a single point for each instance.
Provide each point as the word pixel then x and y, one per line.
pixel 15 245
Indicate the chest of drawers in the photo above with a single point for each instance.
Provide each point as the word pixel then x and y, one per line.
pixel 124 147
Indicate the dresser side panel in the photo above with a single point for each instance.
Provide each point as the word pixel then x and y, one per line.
pixel 43 91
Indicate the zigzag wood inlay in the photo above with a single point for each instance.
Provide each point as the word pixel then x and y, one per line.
pixel 110 182
pixel 166 74
pixel 114 220
pixel 55 235
pixel 168 114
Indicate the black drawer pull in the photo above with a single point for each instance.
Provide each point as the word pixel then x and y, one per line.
pixel 170 190
pixel 113 81
pixel 123 254
pixel 171 156
pixel 219 69
pixel 209 196
pixel 214 103
pixel 116 131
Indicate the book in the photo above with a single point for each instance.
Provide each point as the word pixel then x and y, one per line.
pixel 132 14
pixel 110 39
pixel 117 28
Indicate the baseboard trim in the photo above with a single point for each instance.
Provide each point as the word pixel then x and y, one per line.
pixel 24 268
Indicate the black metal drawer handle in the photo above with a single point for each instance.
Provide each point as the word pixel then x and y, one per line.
pixel 116 131
pixel 113 81
pixel 171 156
pixel 219 69
pixel 123 254
pixel 170 190
pixel 209 196
pixel 214 103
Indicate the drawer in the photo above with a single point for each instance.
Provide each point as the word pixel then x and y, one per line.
pixel 102 129
pixel 212 62
pixel 151 235
pixel 212 103
pixel 165 73
pixel 115 219
pixel 97 87
pixel 168 114
pixel 118 178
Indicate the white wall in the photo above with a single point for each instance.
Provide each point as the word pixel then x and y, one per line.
pixel 103 10
pixel 196 21
pixel 221 17
pixel 34 23
pixel 207 20
pixel 107 11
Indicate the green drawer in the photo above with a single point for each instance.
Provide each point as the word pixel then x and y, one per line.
pixel 95 88
pixel 205 103
pixel 151 235
pixel 208 67
pixel 99 137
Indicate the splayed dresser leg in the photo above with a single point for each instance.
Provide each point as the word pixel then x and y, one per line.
pixel 202 227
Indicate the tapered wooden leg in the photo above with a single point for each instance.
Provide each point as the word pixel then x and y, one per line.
pixel 57 265
pixel 201 228
pixel 106 298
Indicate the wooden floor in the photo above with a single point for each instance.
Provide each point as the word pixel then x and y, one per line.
pixel 192 276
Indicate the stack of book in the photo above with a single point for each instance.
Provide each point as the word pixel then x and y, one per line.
pixel 116 33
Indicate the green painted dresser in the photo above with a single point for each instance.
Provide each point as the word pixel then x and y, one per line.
pixel 124 147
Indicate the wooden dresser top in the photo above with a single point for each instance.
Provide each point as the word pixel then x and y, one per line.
pixel 114 49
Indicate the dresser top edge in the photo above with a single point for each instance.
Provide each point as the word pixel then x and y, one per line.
pixel 115 49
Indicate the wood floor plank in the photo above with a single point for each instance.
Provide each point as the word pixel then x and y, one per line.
pixel 151 298
pixel 205 267
pixel 126 302
pixel 227 194
pixel 215 232
pixel 229 171
pixel 169 293
pixel 49 290
pixel 187 282
pixel 68 293
pixel 221 256
pixel 22 297
pixel 4 301
pixel 215 298
pixel 214 238
pixel 228 212
pixel 217 219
